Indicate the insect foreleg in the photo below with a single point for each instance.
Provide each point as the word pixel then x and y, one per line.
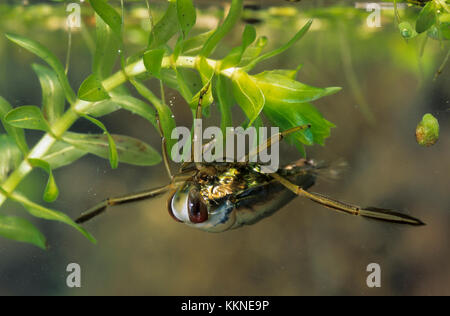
pixel 101 207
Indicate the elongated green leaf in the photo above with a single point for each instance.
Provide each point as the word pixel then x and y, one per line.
pixel 186 15
pixel 51 190
pixel 16 133
pixel 288 115
pixel 280 50
pixel 49 214
pixel 426 18
pixel 223 95
pixel 233 16
pixel 113 156
pixel 164 113
pixel 109 15
pixel 62 154
pixel 193 45
pixel 28 116
pixel 152 61
pixel 253 51
pixel 247 94
pixel 166 27
pixel 92 90
pixel 103 108
pixel 278 88
pixel 206 74
pixel 41 51
pixel 130 150
pixel 137 107
pixel 19 229
pixel 235 56
pixel 10 155
pixel 106 50
pixel 53 99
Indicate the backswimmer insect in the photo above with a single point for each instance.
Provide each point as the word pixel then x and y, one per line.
pixel 220 196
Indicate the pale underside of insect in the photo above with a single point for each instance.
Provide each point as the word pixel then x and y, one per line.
pixel 220 196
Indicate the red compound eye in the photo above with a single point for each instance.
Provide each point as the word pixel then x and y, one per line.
pixel 197 209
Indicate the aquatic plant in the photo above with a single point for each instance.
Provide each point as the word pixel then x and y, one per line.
pixel 275 94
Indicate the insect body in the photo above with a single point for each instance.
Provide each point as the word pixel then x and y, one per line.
pixel 220 196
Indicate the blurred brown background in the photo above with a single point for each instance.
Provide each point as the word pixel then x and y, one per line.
pixel 304 248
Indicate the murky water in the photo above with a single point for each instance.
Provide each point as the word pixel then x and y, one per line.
pixel 302 249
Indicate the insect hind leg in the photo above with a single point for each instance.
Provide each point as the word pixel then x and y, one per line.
pixel 368 212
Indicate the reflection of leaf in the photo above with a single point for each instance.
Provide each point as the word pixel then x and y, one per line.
pixel 19 229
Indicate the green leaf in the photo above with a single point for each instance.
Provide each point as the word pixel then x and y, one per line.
pixel 53 100
pixel 109 15
pixel 106 50
pixel 16 133
pixel 253 51
pixel 10 155
pixel 19 229
pixel 113 156
pixel 92 90
pixel 206 74
pixel 152 61
pixel 130 150
pixel 232 18
pixel 103 108
pixel 193 45
pixel 164 113
pixel 186 15
pixel 223 95
pixel 28 116
pixel 278 88
pixel 51 190
pixel 62 154
pixel 235 56
pixel 49 214
pixel 280 50
pixel 39 50
pixel 426 18
pixel 406 30
pixel 288 115
pixel 247 94
pixel 166 27
pixel 137 107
